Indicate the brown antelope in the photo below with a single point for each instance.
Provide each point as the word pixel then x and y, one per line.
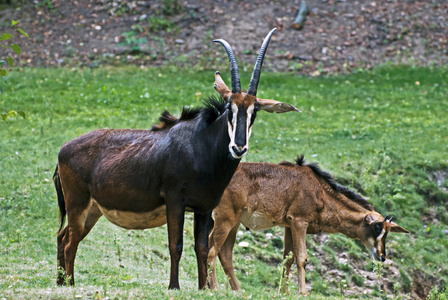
pixel 143 179
pixel 303 199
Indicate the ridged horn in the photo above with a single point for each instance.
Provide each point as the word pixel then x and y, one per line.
pixel 235 75
pixel 253 85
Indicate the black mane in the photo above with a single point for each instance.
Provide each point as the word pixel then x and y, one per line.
pixel 300 161
pixel 213 109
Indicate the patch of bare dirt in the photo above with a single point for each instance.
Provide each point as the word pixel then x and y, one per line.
pixel 440 177
pixel 361 281
pixel 423 284
pixel 338 36
pixel 436 198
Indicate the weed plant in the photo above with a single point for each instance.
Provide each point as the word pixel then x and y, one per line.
pixel 382 132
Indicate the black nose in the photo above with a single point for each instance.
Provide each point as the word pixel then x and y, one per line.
pixel 383 258
pixel 238 151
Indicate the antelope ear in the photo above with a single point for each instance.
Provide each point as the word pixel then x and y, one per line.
pixel 397 228
pixel 370 219
pixel 221 87
pixel 275 106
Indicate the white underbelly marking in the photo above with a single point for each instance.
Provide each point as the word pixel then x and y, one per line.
pixel 134 220
pixel 256 220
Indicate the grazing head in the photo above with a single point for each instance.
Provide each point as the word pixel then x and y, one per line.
pixel 371 227
pixel 243 106
pixel 375 230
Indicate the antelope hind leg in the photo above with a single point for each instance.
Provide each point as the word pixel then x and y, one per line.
pixel 78 226
pixel 75 232
pixel 62 242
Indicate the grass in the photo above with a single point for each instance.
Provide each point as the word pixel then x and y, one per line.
pixel 383 132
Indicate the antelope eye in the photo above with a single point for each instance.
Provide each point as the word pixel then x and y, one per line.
pixel 377 228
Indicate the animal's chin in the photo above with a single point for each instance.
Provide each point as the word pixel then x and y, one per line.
pixel 236 156
pixel 233 154
pixel 376 257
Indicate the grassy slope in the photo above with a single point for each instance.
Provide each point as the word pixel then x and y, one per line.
pixel 379 131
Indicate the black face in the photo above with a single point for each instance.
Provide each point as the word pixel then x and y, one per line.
pixel 377 228
pixel 230 115
pixel 240 118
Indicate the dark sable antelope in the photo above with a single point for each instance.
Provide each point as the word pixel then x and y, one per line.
pixel 302 198
pixel 143 179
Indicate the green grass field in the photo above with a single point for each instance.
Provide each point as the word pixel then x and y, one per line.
pixel 383 133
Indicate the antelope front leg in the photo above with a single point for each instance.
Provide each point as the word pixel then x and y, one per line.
pixel 175 220
pixel 212 280
pixel 221 241
pixel 226 258
pixel 211 261
pixel 287 249
pixel 201 229
pixel 298 229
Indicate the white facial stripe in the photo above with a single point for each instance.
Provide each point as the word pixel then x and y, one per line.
pixel 381 235
pixel 232 129
pixel 232 126
pixel 231 134
pixel 235 112
pixel 250 111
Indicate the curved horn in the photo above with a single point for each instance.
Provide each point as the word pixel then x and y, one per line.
pixel 253 85
pixel 236 84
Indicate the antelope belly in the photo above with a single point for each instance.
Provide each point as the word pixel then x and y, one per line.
pixel 134 220
pixel 256 220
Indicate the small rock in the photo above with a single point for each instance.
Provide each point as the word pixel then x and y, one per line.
pixel 243 244
pixel 315 73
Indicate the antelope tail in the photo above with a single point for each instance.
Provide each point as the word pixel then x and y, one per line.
pixel 61 200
